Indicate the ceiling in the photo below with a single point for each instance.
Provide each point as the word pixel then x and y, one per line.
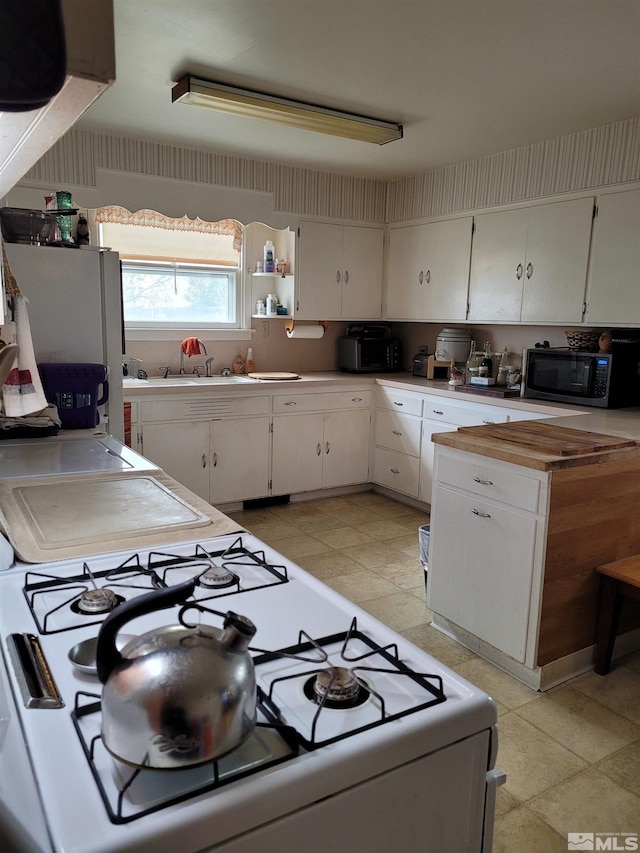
pixel 466 78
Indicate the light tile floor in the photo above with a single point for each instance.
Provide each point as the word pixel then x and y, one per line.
pixel 572 755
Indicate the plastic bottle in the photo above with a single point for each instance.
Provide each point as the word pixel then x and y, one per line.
pixel 272 305
pixel 249 366
pixel 503 368
pixel 238 363
pixel 269 257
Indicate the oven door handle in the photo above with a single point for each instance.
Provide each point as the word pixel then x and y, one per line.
pixel 495 778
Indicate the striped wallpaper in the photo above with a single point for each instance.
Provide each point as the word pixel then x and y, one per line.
pixel 598 157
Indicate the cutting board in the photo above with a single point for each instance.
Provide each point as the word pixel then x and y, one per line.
pixel 550 439
pixel 275 375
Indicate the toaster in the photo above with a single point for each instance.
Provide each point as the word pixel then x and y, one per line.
pixel 419 364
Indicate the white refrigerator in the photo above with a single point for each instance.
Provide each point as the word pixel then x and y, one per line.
pixel 75 312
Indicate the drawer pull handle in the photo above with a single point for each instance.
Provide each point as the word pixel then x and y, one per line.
pixel 356 399
pixel 437 412
pixel 318 449
pixel 480 514
pixel 488 422
pixel 327 448
pixel 395 403
pixel 483 482
pixel 395 432
pixel 291 403
pixel 215 459
pixel 394 470
pixel 204 460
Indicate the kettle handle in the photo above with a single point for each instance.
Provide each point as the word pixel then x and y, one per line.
pixel 107 655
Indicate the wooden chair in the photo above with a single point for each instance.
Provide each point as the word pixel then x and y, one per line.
pixel 619 580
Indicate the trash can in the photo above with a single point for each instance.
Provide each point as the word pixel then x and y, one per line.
pixel 424 532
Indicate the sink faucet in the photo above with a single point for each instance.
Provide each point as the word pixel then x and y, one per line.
pixel 202 347
pixel 208 364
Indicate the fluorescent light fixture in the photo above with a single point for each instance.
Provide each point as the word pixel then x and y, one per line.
pixel 244 102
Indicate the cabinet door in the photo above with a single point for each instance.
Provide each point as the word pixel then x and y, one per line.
pixel 614 295
pixel 555 276
pixel 481 561
pixel 362 273
pixel 320 271
pixel 182 450
pixel 346 448
pixel 239 460
pixel 497 265
pixel 405 275
pixel 447 256
pixel 297 453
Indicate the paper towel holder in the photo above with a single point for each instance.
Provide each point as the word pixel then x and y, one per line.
pixel 290 324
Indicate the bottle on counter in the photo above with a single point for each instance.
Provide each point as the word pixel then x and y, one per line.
pixel 249 365
pixel 261 308
pixel 269 257
pixel 486 362
pixel 473 362
pixel 503 368
pixel 238 363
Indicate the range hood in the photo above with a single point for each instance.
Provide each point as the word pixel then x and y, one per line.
pixel 26 136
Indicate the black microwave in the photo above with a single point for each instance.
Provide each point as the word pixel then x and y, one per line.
pixel 369 349
pixel 563 375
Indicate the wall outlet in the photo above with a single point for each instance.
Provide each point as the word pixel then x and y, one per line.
pixel 264 328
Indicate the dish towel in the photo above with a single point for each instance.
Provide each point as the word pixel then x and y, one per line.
pixel 191 346
pixel 22 392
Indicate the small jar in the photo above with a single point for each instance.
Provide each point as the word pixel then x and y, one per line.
pixel 261 308
pixel 259 266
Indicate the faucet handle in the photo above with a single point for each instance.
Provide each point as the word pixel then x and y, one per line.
pixel 197 369
pixel 167 371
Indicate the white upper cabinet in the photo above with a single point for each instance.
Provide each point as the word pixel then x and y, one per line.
pixel 428 270
pixel 530 264
pixel 613 294
pixel 339 272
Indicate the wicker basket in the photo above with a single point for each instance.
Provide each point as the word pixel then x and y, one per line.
pixel 584 339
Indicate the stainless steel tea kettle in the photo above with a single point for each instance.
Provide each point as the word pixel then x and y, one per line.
pixel 176 696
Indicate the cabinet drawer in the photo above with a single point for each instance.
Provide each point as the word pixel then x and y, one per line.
pixel 203 407
pixel 397 471
pixel 463 414
pixel 293 403
pixel 484 477
pixel 399 401
pixel 398 432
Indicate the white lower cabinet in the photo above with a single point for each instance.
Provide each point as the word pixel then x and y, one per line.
pixel 317 450
pixel 221 461
pixel 486 548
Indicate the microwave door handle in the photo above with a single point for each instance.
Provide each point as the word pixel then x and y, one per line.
pixel 586 378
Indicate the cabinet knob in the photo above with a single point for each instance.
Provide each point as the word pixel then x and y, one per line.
pixel 529 269
pixel 480 514
pixel 519 271
pixel 482 482
pixel 204 460
pixel 338 277
pixel 421 277
pixel 215 459
pixel 427 277
pixel 327 447
pixel 346 276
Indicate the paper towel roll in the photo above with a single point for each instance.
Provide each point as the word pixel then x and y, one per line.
pixel 308 333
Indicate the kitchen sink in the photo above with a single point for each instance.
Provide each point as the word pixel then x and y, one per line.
pixel 186 380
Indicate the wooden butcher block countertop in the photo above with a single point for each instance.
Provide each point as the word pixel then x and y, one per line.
pixel 537 444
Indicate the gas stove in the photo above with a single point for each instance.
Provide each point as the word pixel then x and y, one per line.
pixel 343 702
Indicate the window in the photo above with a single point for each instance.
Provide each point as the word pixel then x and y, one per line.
pixel 176 273
pixel 166 295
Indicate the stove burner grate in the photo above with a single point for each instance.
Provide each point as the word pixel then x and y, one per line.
pixel 430 687
pixel 131 793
